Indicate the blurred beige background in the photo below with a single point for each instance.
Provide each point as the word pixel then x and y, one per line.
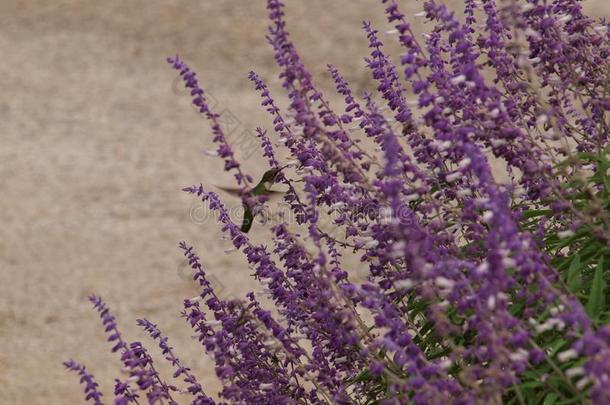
pixel 96 140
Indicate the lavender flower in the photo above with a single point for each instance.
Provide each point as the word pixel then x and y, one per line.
pixel 471 286
pixel 194 387
pixel 224 150
pixel 86 378
pixel 137 363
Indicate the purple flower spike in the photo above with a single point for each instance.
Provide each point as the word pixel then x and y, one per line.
pixel 86 378
pixel 199 100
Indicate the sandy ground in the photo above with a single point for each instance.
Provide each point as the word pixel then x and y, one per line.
pixel 97 139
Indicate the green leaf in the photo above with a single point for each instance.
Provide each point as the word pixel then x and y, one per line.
pixel 550 399
pixel 595 304
pixel 516 308
pixel 591 249
pixel 575 399
pixel 530 384
pixel 536 213
pixel 363 376
pixel 574 274
pixel 607 183
pixel 555 346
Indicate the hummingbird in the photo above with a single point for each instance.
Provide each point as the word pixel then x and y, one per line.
pixel 263 187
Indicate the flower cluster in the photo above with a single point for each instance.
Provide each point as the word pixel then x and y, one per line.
pixel 474 191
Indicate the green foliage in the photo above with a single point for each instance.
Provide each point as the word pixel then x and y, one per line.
pixel 581 257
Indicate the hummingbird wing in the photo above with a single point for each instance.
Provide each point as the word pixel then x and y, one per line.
pixel 234 191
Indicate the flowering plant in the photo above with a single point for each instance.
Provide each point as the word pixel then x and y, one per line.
pixel 481 287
